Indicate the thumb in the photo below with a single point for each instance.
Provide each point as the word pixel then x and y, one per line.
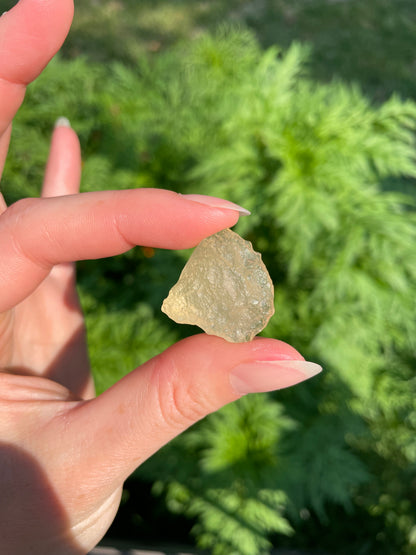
pixel 149 407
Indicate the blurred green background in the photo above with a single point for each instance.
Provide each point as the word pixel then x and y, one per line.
pixel 304 112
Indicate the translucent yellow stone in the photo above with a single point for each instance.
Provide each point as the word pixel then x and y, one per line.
pixel 224 288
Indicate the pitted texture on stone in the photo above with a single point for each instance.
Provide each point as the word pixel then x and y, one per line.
pixel 224 288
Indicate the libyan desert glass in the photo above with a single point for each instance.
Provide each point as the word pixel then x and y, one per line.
pixel 224 288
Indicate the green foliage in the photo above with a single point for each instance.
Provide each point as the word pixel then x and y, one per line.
pixel 321 169
pixel 227 477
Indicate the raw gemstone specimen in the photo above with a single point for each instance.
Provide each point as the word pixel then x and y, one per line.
pixel 224 288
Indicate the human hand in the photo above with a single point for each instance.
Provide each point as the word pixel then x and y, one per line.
pixel 64 454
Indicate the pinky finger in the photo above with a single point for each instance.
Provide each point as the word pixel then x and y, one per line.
pixel 63 170
pixel 62 177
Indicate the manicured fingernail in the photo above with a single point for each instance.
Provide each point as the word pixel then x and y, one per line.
pixel 217 203
pixel 261 376
pixel 62 122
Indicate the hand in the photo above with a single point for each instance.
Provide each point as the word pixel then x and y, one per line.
pixel 64 454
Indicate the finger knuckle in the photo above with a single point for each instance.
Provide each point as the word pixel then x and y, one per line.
pixel 181 402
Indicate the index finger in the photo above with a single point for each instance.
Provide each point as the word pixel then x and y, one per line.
pixel 36 234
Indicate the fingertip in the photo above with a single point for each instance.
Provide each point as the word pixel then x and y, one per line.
pixel 62 122
pixel 206 366
pixel 32 32
pixel 169 220
pixel 215 202
pixel 63 169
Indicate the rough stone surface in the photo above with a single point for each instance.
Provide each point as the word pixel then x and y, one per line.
pixel 224 288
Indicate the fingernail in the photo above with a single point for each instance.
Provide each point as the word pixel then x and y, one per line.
pixel 62 122
pixel 215 202
pixel 262 376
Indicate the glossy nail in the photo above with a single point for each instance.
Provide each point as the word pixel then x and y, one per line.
pixel 62 122
pixel 215 202
pixel 262 376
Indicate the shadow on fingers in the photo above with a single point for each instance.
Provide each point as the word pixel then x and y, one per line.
pixel 31 514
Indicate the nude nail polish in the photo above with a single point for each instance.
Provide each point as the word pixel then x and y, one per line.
pixel 262 376
pixel 215 202
pixel 62 122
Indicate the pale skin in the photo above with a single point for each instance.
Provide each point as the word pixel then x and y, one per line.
pixel 64 454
